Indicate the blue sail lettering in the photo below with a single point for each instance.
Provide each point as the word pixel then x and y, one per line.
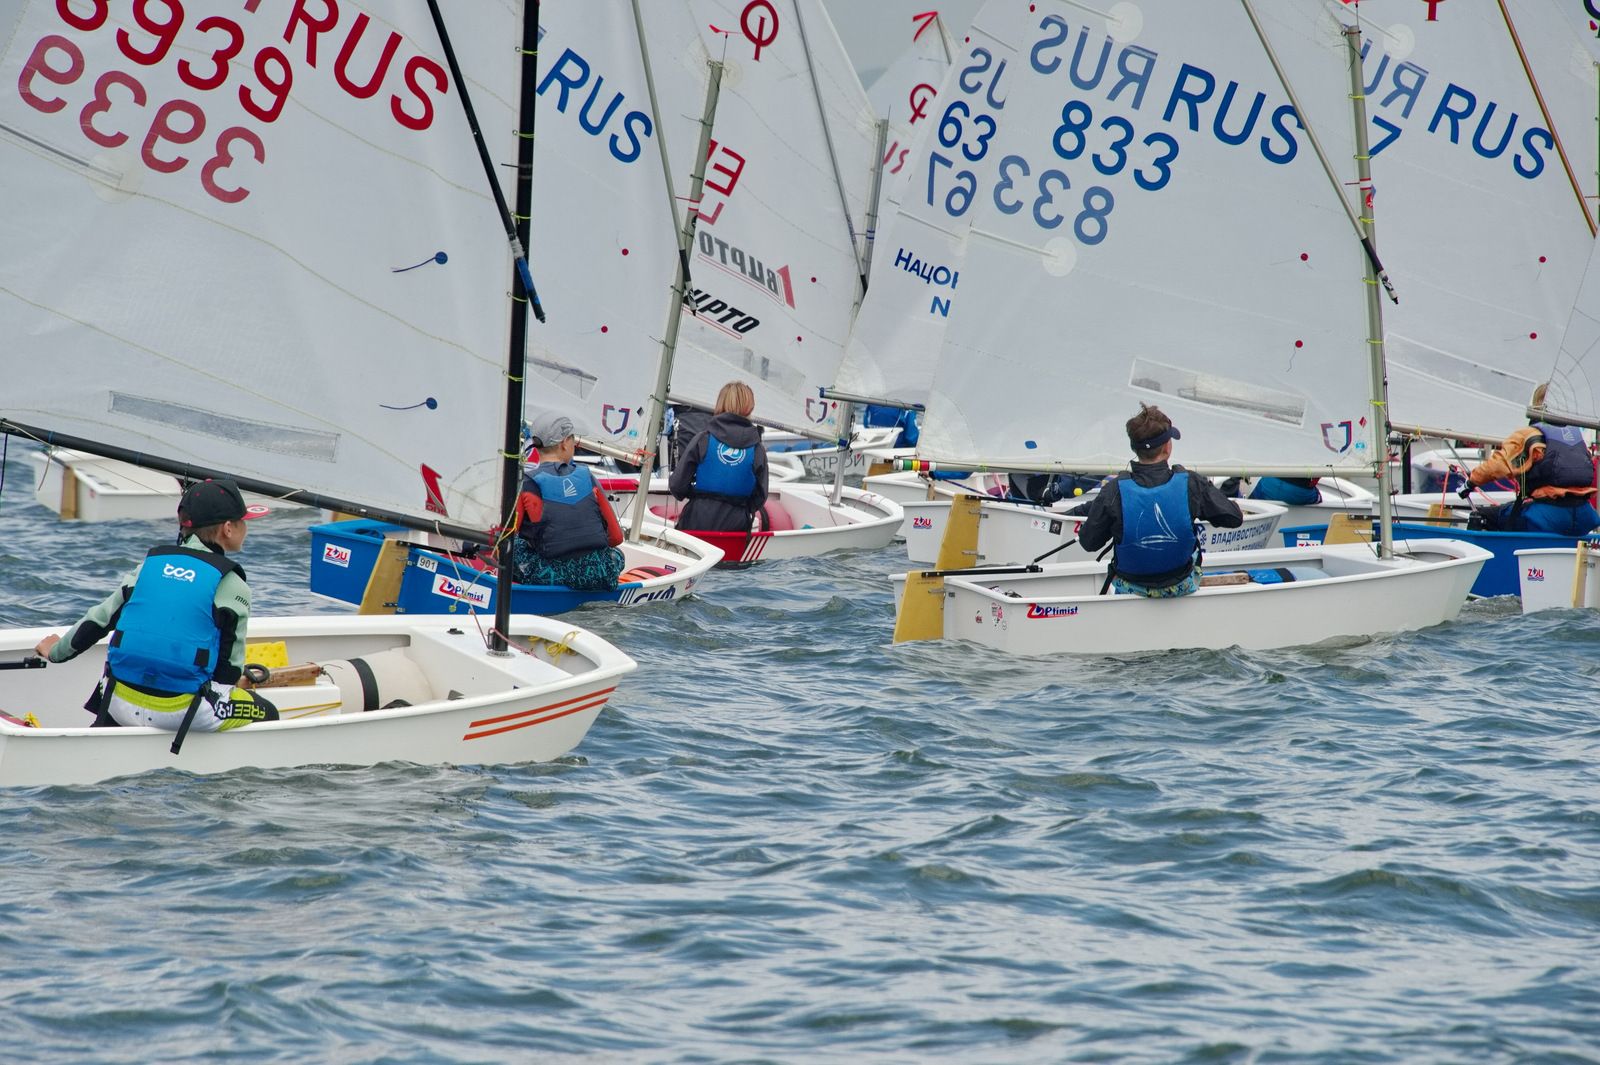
pixel 982 58
pixel 1531 170
pixel 1077 58
pixel 571 73
pixel 1139 78
pixel 1222 113
pixel 1049 41
pixel 1444 110
pixel 1192 98
pixel 1402 88
pixel 1291 146
pixel 1505 138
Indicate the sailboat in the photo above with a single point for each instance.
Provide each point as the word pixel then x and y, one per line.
pixel 1487 112
pixel 717 241
pixel 212 275
pixel 1076 152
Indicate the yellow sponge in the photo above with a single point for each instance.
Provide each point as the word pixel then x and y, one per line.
pixel 273 654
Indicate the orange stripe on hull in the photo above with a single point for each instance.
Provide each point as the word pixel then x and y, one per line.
pixel 600 701
pixel 539 709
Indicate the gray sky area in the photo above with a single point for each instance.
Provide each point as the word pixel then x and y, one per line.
pixel 876 31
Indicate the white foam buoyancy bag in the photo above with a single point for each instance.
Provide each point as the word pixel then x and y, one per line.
pixel 378 681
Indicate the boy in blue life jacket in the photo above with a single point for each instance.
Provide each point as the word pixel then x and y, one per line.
pixel 567 533
pixel 177 625
pixel 1150 514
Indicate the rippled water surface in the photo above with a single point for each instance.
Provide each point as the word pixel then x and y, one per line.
pixel 786 841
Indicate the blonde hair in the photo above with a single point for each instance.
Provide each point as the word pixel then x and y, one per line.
pixel 735 398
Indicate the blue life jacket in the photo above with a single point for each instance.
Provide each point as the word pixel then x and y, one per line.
pixel 1296 493
pixel 1566 462
pixel 572 521
pixel 167 640
pixel 726 472
pixel 1157 529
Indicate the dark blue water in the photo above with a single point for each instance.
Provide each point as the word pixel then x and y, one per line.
pixel 786 841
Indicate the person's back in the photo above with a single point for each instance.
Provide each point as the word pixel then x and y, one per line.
pixel 1149 513
pixel 567 533
pixel 723 472
pixel 1555 477
pixel 178 624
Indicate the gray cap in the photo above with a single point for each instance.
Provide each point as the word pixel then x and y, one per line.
pixel 549 429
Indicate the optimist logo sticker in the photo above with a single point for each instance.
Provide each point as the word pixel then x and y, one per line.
pixel 1535 574
pixel 922 523
pixel 1038 611
pixel 472 594
pixel 335 555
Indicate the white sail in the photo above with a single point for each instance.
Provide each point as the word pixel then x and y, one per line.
pixel 260 241
pixel 1478 221
pixel 604 242
pixel 1577 377
pixel 776 261
pixel 1123 210
pixel 905 95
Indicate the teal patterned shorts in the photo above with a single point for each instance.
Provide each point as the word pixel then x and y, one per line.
pixel 589 571
pixel 1188 586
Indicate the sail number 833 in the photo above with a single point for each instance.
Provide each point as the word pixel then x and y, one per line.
pixel 1019 185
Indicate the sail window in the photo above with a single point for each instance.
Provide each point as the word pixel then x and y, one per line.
pixel 258 436
pixel 1402 351
pixel 1214 390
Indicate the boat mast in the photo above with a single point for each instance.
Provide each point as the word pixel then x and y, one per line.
pixel 517 227
pixel 1378 368
pixel 686 231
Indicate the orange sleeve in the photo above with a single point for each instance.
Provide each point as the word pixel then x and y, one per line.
pixel 609 516
pixel 1511 459
pixel 530 508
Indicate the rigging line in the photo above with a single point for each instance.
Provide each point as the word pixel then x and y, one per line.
pixel 833 156
pixel 1322 156
pixel 1549 121
pixel 517 250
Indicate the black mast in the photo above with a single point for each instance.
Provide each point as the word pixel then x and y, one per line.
pixel 517 229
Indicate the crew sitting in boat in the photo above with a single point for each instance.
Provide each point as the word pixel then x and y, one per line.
pixel 1151 512
pixel 876 416
pixel 1295 491
pixel 177 626
pixel 566 532
pixel 1555 478
pixel 723 471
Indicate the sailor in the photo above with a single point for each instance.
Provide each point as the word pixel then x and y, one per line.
pixel 723 472
pixel 177 625
pixel 567 533
pixel 1555 478
pixel 1150 514
pixel 1295 491
pixel 1049 488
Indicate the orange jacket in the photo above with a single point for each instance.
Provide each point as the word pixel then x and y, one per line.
pixel 1514 458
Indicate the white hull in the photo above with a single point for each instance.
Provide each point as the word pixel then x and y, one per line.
pixel 1060 611
pixel 1549 579
pixel 861 520
pixel 1014 533
pixel 84 487
pixel 1412 505
pixel 483 709
pixel 821 463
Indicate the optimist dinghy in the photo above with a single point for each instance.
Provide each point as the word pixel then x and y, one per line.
pixel 370 690
pixel 342 358
pixel 1044 193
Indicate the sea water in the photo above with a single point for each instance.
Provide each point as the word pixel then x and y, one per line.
pixel 786 841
